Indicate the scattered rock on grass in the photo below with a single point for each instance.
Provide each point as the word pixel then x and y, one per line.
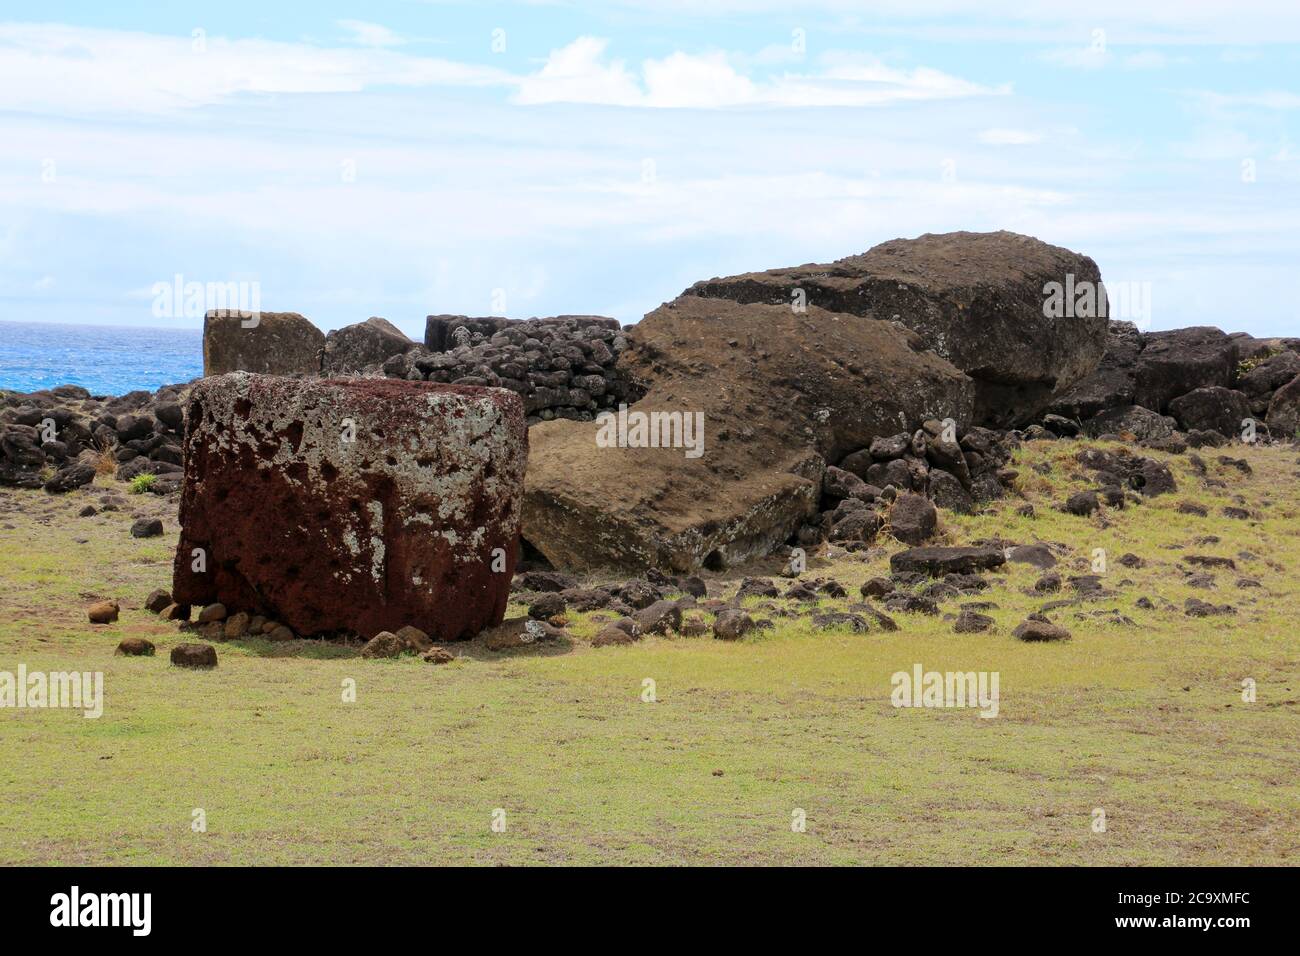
pixel 147 528
pixel 837 620
pixel 1038 630
pixel 135 647
pixel 213 612
pixel 1082 503
pixel 1195 607
pixel 938 561
pixel 547 605
pixel 876 587
pixel 732 625
pixel 383 644
pixel 157 600
pixel 659 618
pixel 414 638
pixel 972 622
pixel 103 612
pixel 194 655
pixel 175 612
pixel 235 626
pixel 912 519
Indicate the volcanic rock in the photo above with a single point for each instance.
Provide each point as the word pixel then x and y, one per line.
pixel 732 624
pixel 1284 411
pixel 1211 409
pixel 157 600
pixel 972 622
pixel 1176 362
pixel 194 655
pixel 977 299
pixel 1113 383
pixel 1038 630
pixel 146 528
pixel 72 475
pixel 936 561
pixel 780 393
pixel 353 505
pixel 353 347
pixel 1141 423
pixel 275 343
pixel 912 519
pixel 384 644
pixel 103 612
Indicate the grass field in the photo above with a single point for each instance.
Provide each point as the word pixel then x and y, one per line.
pixel 1145 721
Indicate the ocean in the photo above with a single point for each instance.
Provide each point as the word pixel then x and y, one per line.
pixel 106 359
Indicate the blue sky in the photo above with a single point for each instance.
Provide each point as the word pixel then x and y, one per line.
pixel 406 158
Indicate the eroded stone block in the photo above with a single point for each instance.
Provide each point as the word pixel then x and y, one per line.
pixel 362 505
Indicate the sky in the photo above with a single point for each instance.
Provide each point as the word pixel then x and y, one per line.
pixel 401 158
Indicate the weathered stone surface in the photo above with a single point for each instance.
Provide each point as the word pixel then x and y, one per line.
pixel 399 525
pixel 912 519
pixel 1284 411
pixel 977 299
pixel 972 622
pixel 1270 374
pixel 157 600
pixel 1125 470
pixel 72 475
pixel 732 624
pixel 135 647
pixel 440 330
pixel 146 528
pixel 274 343
pixel 779 393
pixel 1113 383
pixel 103 612
pixel 372 342
pixel 1038 630
pixel 194 655
pixel 384 644
pixel 1214 409
pixel 937 561
pixel 1176 362
pixel 1134 420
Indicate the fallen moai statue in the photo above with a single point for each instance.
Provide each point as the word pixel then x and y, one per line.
pixel 359 505
pixel 1023 318
pixel 723 458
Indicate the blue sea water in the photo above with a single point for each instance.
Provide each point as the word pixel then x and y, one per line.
pixel 107 360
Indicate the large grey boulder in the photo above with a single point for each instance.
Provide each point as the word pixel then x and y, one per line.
pixel 1141 423
pixel 1176 362
pixel 1270 374
pixel 1113 383
pixel 1211 409
pixel 778 394
pixel 354 347
pixel 984 301
pixel 1284 411
pixel 273 343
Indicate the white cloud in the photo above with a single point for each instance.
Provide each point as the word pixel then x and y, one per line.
pixel 54 68
pixel 1009 137
pixel 50 68
pixel 1264 99
pixel 370 34
pixel 580 73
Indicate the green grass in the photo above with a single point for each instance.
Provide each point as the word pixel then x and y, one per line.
pixel 142 483
pixel 1144 721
